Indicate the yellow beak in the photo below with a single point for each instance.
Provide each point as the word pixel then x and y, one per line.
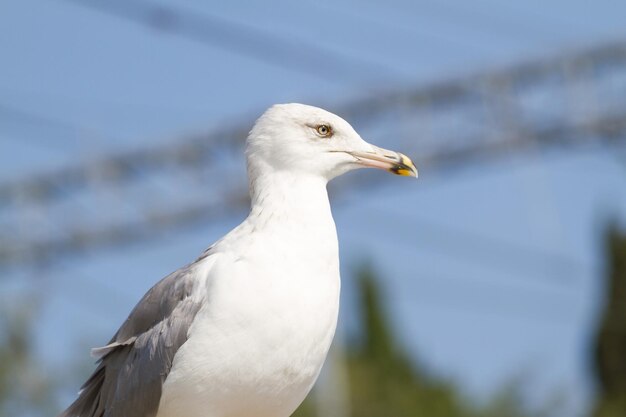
pixel 391 161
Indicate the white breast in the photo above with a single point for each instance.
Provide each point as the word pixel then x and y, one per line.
pixel 257 347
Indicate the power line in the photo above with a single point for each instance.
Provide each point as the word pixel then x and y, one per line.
pixel 152 223
pixel 428 34
pixel 605 127
pixel 29 118
pixel 197 154
pixel 157 221
pixel 284 52
pixel 467 294
pixel 476 18
pixel 528 263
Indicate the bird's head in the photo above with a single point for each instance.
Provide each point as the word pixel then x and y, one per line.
pixel 296 137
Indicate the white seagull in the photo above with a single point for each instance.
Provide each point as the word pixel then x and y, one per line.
pixel 243 330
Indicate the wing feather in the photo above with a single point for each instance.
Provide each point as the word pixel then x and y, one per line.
pixel 134 364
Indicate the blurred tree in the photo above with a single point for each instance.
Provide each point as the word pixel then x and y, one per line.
pixel 25 390
pixel 610 344
pixel 384 382
pixel 380 372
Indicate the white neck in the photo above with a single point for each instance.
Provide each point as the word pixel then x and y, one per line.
pixel 288 198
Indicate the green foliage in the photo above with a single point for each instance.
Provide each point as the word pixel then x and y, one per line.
pixel 610 347
pixel 25 390
pixel 380 372
pixel 384 382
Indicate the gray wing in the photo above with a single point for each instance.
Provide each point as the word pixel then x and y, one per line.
pixel 133 366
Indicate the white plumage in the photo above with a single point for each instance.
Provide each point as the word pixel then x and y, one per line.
pixel 244 330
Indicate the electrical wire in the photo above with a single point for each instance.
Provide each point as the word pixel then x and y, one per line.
pixel 29 118
pixel 283 52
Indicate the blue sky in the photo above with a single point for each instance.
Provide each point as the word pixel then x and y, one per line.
pixel 99 84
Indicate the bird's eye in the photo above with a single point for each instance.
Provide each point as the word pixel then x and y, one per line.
pixel 324 131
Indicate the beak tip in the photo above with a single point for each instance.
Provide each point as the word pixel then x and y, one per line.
pixel 408 167
pixel 394 162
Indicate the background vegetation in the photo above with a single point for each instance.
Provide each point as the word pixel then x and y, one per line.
pixel 382 380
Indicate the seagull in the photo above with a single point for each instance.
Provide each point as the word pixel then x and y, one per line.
pixel 244 330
